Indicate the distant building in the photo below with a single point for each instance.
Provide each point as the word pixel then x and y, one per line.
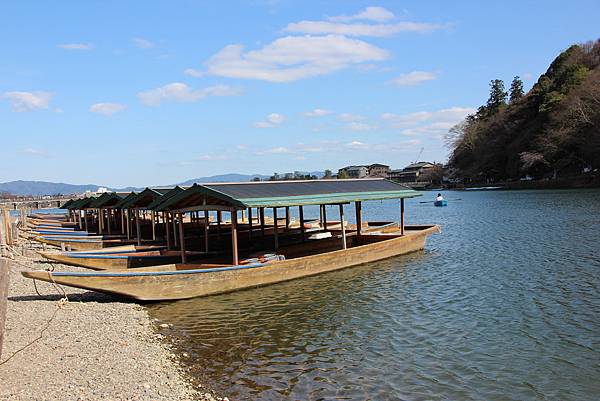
pixel 364 171
pixel 102 190
pixel 410 173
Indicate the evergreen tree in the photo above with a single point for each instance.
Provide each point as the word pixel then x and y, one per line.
pixel 516 89
pixel 497 96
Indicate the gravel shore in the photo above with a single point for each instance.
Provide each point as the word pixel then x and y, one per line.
pixel 97 347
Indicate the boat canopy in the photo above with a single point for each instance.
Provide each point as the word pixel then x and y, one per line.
pixel 166 196
pixel 67 204
pixel 107 199
pixel 81 204
pixel 143 199
pixel 125 200
pixel 284 193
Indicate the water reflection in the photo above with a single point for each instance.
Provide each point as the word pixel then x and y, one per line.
pixel 504 304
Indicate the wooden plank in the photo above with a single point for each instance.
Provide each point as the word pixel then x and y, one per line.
pixel 4 269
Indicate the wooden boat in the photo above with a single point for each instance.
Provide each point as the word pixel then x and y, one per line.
pixel 170 282
pixel 440 203
pixel 83 244
pixel 119 260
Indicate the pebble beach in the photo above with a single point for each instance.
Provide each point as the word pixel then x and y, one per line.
pixel 93 346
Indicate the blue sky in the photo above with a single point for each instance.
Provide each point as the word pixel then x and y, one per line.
pixel 146 93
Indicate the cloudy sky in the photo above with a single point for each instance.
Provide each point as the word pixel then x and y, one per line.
pixel 116 93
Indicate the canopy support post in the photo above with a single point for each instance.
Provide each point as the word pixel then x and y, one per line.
pixel 107 221
pixel 121 212
pixel 343 227
pixel 175 236
pixel 301 213
pixel 167 229
pixel 100 221
pixel 275 233
pixel 137 227
pixel 402 216
pixel 358 205
pixel 205 230
pixel 262 221
pixel 324 217
pixel 219 218
pixel 85 219
pixel 250 223
pixel 234 244
pixel 153 217
pixel 287 217
pixel 181 238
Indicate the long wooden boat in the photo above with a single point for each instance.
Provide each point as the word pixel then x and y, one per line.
pixel 84 244
pixel 170 282
pixel 120 260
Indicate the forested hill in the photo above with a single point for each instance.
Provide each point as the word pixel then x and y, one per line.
pixel 552 131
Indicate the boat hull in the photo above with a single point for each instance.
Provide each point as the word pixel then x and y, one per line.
pixel 114 261
pixel 83 245
pixel 440 203
pixel 171 282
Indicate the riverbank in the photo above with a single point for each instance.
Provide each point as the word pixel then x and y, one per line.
pixel 96 347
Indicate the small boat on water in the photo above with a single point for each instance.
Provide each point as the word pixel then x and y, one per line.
pixel 282 254
pixel 440 203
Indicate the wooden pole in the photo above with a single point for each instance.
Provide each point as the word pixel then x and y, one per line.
pixel 175 236
pixel 80 222
pixel 275 233
pixel 121 212
pixel 324 217
pixel 250 223
pixel 128 223
pixel 167 230
pixel 85 219
pixel 301 213
pixel 138 234
pixel 262 221
pixel 181 238
pixel 343 227
pixel 402 216
pixel 205 230
pixel 219 218
pixel 153 217
pixel 358 205
pixel 3 297
pixel 234 244
pixel 108 220
pixel 100 221
pixel 287 217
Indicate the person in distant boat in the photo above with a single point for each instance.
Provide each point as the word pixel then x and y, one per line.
pixel 439 198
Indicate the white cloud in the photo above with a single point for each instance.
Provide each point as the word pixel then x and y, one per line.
pixel 77 46
pixel 360 29
pixel 350 117
pixel 273 120
pixel 317 113
pixel 211 157
pixel 356 145
pixel 107 109
pixel 278 150
pixel 427 122
pixel 378 14
pixel 293 57
pixel 142 43
pixel 35 152
pixel 356 126
pixel 180 92
pixel 28 101
pixel 193 73
pixel 414 78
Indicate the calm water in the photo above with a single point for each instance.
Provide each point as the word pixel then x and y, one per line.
pixel 503 305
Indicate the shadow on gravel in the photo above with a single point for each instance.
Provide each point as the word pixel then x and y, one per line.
pixel 89 296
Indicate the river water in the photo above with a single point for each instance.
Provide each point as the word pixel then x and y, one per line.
pixel 504 304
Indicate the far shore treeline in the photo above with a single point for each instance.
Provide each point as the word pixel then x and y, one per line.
pixel 550 132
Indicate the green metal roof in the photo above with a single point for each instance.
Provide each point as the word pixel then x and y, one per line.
pixel 286 193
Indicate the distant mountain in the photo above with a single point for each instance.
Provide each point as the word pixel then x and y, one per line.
pixel 38 188
pixel 233 177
